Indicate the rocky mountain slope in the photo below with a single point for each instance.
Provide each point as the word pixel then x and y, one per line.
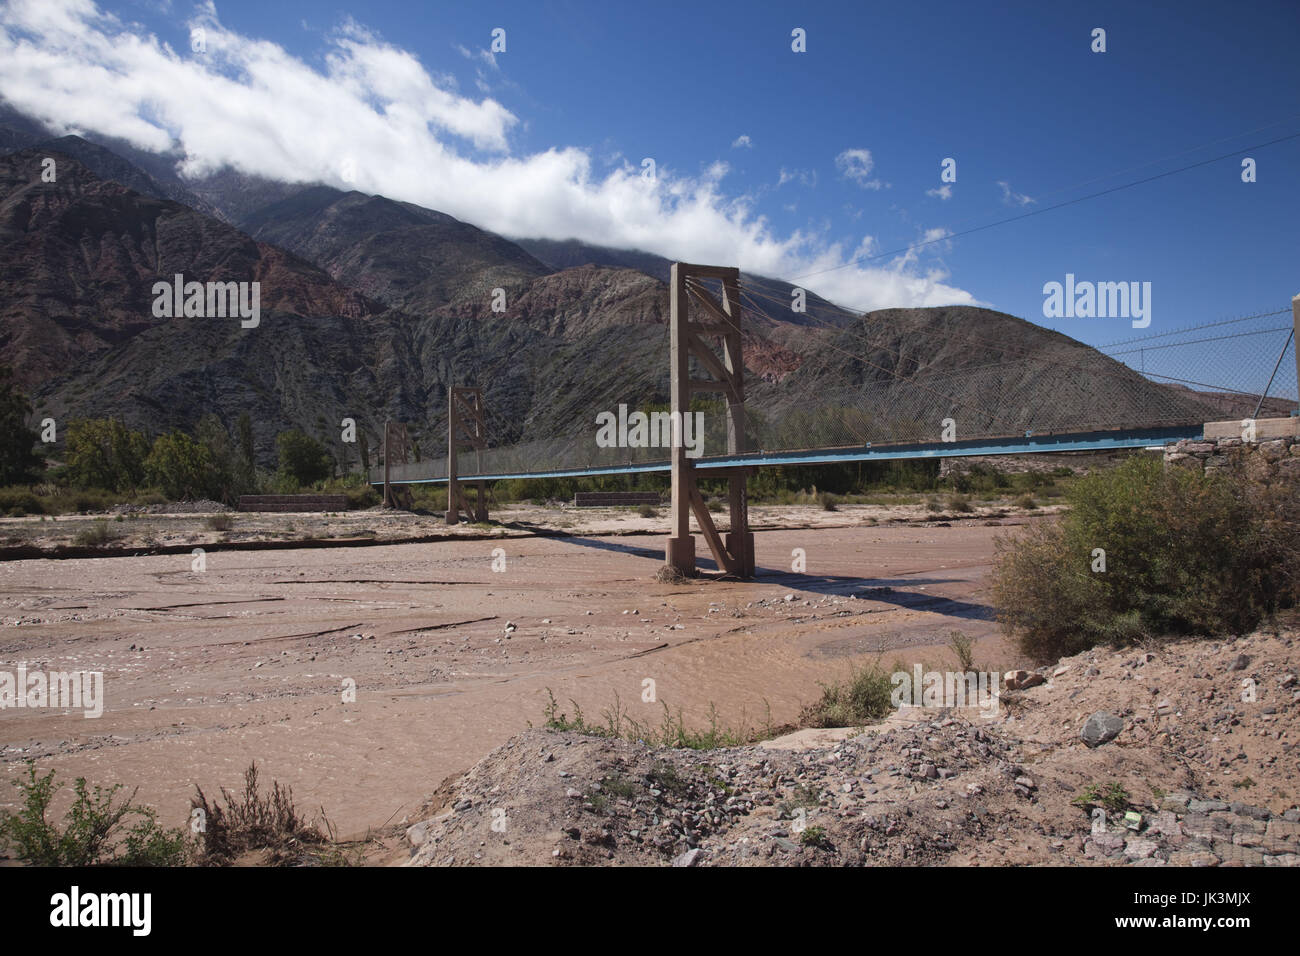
pixel 373 307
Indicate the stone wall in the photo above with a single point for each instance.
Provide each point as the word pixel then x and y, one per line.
pixel 1274 454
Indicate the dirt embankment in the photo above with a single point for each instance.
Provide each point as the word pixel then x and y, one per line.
pixel 1205 757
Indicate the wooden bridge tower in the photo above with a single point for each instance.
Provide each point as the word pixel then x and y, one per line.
pixel 717 319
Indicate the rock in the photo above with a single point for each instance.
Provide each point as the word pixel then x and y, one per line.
pixel 416 834
pixel 688 858
pixel 1102 728
pixel 1246 810
pixel 1273 450
pixel 1140 849
pixel 1206 806
pixel 1239 663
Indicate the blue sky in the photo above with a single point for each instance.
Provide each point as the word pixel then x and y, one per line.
pixel 585 91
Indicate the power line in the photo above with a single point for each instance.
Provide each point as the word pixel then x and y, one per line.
pixel 856 260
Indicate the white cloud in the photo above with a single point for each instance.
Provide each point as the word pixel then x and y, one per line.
pixel 856 165
pixel 1013 198
pixel 407 133
pixel 742 140
pixel 804 177
pixel 943 192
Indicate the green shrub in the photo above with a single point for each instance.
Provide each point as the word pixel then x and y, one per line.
pixel 94 828
pixel 1027 502
pixel 959 503
pixel 1185 553
pixel 647 511
pixel 20 499
pixel 863 699
pixel 828 501
pixel 1112 798
pixel 814 837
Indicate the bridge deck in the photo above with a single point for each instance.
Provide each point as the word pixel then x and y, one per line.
pixel 1014 445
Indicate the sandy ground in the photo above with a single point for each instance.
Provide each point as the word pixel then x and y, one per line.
pixel 248 659
pixel 173 532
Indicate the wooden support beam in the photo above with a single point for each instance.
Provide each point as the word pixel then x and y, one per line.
pixel 705 520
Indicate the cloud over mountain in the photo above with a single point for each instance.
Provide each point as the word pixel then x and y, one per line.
pixel 373 117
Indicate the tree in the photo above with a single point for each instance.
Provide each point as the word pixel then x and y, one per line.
pixel 180 466
pixel 363 445
pixel 248 467
pixel 18 463
pixel 303 460
pixel 230 476
pixel 104 453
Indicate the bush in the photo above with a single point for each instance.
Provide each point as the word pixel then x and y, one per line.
pixel 828 501
pixel 20 499
pixel 303 460
pixel 863 699
pixel 221 522
pixel 251 820
pixel 1185 553
pixel 959 503
pixel 1027 502
pixel 94 828
pixel 97 535
pixel 647 511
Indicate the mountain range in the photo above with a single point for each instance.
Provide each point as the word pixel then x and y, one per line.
pixel 371 308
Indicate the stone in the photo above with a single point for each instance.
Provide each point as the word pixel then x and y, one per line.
pixel 415 835
pixel 1231 853
pixel 1140 849
pixel 1239 663
pixel 1246 810
pixel 1101 728
pixel 1272 450
pixel 1192 858
pixel 1206 806
pixel 688 858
